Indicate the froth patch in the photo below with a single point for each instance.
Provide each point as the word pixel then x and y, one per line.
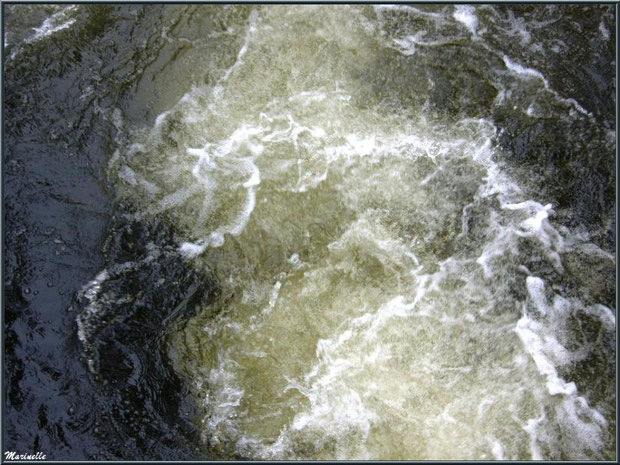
pixel 375 299
pixel 530 73
pixel 465 14
pixel 572 414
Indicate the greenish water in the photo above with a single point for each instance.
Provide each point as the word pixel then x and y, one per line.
pixel 402 275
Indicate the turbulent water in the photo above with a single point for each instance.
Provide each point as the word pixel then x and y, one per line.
pixel 408 212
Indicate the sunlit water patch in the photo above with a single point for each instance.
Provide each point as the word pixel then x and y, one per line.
pixel 389 289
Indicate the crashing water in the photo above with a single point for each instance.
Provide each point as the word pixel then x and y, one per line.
pixel 391 288
pixel 377 302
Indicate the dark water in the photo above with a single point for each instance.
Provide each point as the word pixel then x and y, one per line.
pixel 95 289
pixel 60 231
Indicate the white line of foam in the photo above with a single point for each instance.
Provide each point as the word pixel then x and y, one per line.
pixel 531 72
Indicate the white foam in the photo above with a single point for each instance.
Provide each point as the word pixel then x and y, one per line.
pixel 273 298
pixel 307 97
pixel 128 175
pixel 135 179
pixel 497 449
pixel 584 424
pixel 408 9
pixel 407 45
pixel 465 14
pixel 518 28
pixel 244 216
pixel 593 249
pixel 223 406
pixel 296 261
pixel 244 48
pixel 528 331
pixel 604 314
pixel 531 72
pixel 160 119
pixel 54 24
pixel 604 30
pixel 522 70
pixel 176 198
pixel 531 428
pixel 90 291
pixel 536 290
pixel 216 164
pixel 537 225
pixel 216 239
pixel 380 303
pixel 255 174
pixel 191 249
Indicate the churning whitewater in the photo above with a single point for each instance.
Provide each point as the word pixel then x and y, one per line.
pixel 390 288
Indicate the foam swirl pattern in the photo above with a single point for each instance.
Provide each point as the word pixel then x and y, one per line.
pixel 391 288
pixel 337 232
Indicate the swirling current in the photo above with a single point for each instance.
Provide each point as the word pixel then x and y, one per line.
pixel 320 232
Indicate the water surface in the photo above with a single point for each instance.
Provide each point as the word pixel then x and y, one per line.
pixel 408 213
